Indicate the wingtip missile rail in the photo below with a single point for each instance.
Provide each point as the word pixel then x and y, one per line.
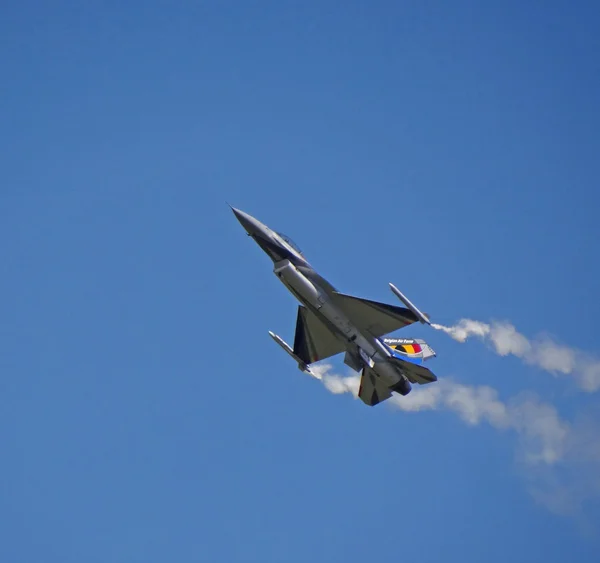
pixel 301 365
pixel 421 316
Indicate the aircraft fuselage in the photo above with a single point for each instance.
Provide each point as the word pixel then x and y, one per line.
pixel 365 348
pixel 344 323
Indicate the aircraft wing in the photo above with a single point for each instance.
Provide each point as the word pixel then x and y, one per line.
pixel 377 318
pixel 372 389
pixel 313 340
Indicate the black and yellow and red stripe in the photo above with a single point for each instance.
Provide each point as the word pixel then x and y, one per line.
pixel 409 348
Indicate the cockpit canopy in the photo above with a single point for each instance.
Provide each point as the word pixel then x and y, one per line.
pixel 291 243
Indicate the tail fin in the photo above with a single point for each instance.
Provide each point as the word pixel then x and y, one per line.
pixel 428 351
pixel 412 349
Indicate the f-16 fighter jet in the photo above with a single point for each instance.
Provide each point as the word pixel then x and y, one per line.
pixel 330 322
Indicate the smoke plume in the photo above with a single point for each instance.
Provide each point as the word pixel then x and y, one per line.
pixel 541 431
pixel 542 352
pixel 562 459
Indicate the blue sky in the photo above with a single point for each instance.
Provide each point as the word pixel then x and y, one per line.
pixel 145 414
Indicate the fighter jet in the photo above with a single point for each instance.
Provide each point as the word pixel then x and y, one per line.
pixel 330 322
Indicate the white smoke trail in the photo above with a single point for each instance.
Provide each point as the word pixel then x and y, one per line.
pixel 542 352
pixel 541 431
pixel 563 459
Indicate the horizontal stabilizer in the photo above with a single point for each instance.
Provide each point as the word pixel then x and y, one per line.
pixel 414 372
pixel 372 390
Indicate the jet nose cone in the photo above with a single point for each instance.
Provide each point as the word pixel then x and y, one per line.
pixel 249 223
